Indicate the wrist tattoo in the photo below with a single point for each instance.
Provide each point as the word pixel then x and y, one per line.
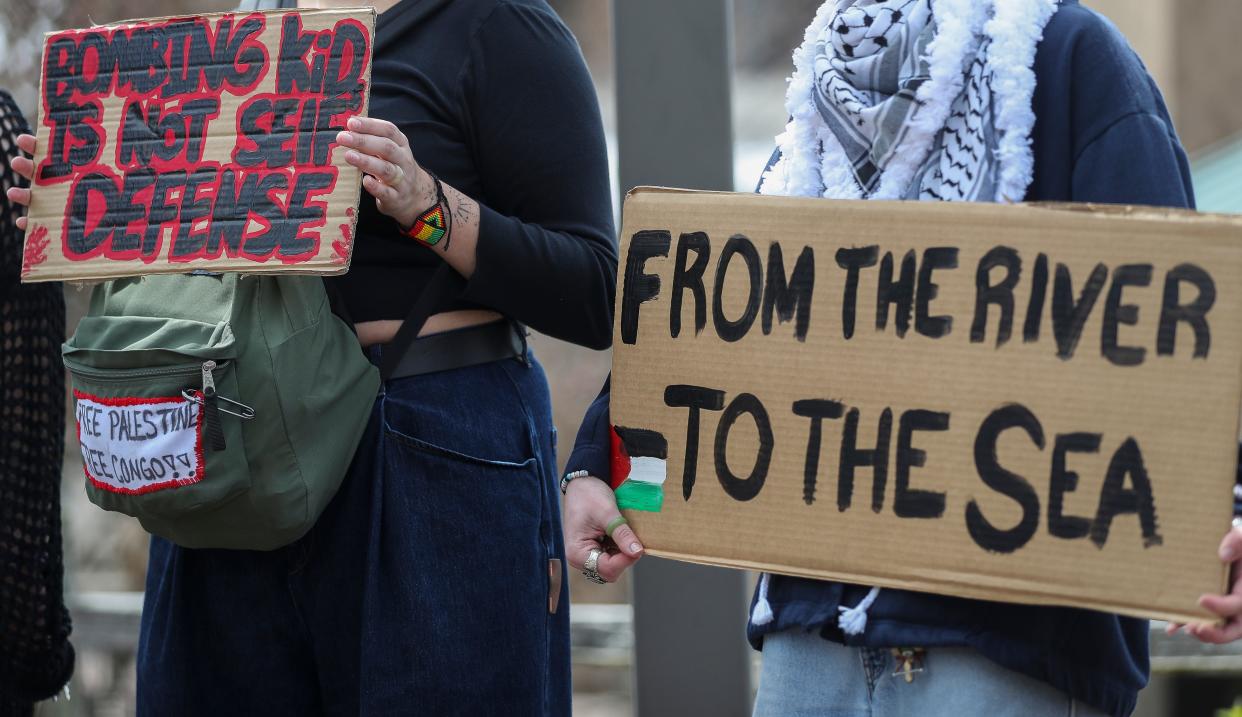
pixel 464 212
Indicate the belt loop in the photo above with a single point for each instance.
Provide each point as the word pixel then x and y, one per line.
pixel 522 334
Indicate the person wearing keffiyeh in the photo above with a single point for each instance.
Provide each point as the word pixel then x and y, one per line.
pixel 948 100
pixel 890 100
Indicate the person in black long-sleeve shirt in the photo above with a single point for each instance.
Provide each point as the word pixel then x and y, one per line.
pixel 425 586
pixel 432 582
pixel 493 98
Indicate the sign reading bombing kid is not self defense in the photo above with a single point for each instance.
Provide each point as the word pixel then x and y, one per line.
pixel 176 144
pixel 1034 404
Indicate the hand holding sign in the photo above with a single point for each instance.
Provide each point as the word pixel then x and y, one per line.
pixel 25 167
pixel 405 191
pixel 589 507
pixel 1228 606
pixel 401 187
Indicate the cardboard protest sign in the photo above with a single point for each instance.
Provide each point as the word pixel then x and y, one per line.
pixel 1036 404
pixel 204 142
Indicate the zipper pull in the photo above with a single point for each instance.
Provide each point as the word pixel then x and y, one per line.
pixel 213 428
pixel 209 381
pixel 909 661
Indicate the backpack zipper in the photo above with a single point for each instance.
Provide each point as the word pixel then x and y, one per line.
pixel 125 374
pixel 205 369
pixel 213 426
pixel 209 381
pixel 208 398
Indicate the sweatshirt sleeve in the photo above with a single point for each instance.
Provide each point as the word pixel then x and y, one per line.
pixel 592 448
pixel 547 253
pixel 1136 160
pixel 1121 140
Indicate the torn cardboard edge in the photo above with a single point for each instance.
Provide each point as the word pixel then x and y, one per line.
pixel 967 585
pixel 1092 209
pixel 139 21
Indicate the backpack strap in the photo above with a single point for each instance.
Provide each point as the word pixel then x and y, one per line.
pixel 445 286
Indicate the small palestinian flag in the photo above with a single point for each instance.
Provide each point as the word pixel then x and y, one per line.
pixel 639 467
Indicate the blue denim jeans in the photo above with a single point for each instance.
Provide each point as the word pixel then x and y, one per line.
pixel 423 588
pixel 805 675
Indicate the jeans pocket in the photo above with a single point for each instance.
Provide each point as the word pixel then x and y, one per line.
pixel 500 494
pixel 473 414
pixel 418 444
pixel 467 441
pixel 467 529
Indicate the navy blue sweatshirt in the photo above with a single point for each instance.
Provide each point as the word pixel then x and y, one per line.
pixel 1102 134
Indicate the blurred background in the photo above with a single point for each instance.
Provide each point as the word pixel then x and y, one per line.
pixel 1186 44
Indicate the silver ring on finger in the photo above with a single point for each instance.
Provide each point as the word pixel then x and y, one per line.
pixel 591 567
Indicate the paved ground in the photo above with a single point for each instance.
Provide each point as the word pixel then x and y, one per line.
pixel 597 705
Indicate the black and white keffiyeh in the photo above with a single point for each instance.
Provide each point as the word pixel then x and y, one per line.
pixel 912 99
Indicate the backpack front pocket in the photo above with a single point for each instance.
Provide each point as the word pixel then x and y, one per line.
pixel 158 441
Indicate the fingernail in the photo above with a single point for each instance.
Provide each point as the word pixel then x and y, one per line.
pixel 351 156
pixel 354 123
pixel 635 548
pixel 344 137
pixel 1228 553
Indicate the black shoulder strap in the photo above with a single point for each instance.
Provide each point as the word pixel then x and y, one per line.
pixel 442 290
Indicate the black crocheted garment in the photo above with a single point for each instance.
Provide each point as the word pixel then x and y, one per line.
pixel 36 658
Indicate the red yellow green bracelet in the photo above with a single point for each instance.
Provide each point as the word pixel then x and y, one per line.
pixel 436 223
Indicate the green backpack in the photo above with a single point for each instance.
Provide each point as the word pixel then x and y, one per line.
pixel 221 411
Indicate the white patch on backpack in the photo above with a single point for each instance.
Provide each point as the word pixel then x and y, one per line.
pixel 138 445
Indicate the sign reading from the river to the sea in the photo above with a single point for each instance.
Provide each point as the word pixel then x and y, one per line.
pixel 1029 403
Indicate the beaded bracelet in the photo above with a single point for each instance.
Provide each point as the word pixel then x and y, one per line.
pixel 574 475
pixel 436 223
